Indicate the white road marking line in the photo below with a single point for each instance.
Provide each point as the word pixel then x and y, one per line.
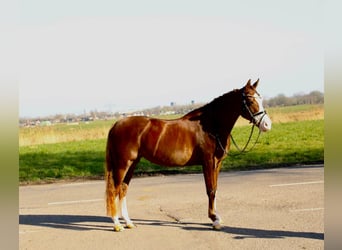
pixel 73 202
pixel 307 209
pixel 81 184
pixel 297 183
pixel 28 231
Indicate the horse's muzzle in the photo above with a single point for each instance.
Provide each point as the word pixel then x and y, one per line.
pixel 265 123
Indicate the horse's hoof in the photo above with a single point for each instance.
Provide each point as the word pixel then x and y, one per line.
pixel 130 226
pixel 118 228
pixel 217 225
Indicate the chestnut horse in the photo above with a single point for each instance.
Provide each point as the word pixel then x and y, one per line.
pixel 201 137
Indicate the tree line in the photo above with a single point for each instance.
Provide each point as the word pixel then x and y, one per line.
pixel 314 97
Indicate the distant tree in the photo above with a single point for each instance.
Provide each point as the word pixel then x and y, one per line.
pixel 314 97
pixel 279 100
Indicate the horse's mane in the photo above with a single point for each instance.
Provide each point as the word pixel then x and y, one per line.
pixel 209 108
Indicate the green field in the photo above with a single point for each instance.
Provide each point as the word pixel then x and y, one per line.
pixel 81 152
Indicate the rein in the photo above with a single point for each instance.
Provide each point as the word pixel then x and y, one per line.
pixel 243 150
pixel 249 139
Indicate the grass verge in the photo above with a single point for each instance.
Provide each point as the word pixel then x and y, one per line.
pixel 286 144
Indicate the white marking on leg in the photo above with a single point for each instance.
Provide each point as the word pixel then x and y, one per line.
pixel 117 225
pixel 218 221
pixel 217 224
pixel 217 216
pixel 124 213
pixel 116 220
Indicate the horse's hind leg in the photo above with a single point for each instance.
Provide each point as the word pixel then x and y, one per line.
pixel 124 211
pixel 118 176
pixel 127 179
pixel 122 178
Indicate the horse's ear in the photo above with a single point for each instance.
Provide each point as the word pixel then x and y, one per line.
pixel 255 85
pixel 248 84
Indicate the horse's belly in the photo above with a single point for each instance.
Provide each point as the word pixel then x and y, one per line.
pixel 168 143
pixel 170 152
pixel 171 157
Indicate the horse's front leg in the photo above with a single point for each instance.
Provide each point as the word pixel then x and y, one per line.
pixel 212 214
pixel 210 176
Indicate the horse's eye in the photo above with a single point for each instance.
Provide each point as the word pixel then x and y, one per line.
pixel 249 101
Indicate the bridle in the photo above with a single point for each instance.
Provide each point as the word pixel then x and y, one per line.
pixel 255 121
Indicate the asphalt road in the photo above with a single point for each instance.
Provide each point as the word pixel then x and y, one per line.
pixel 264 209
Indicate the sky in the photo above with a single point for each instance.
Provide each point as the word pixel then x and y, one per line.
pixel 118 56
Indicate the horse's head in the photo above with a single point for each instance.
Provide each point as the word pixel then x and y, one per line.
pixel 252 108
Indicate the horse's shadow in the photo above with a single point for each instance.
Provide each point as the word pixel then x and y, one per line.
pixel 70 222
pixel 86 222
pixel 243 233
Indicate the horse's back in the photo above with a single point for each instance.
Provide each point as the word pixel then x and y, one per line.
pixel 124 136
pixel 129 122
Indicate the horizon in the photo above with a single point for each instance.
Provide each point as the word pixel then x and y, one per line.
pixel 87 112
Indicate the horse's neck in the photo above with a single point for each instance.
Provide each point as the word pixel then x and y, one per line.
pixel 221 118
pixel 225 124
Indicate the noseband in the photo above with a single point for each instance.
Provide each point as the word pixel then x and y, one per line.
pixel 255 121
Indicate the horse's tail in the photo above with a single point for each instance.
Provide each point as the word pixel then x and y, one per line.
pixel 110 188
